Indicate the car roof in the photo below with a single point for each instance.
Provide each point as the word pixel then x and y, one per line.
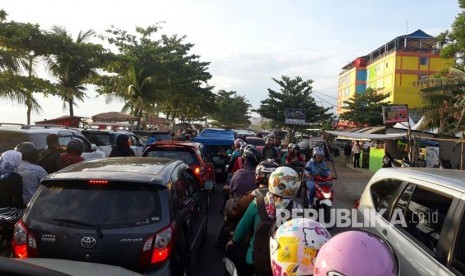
pixel 253 138
pixel 130 169
pixel 174 143
pixel 454 179
pixel 106 131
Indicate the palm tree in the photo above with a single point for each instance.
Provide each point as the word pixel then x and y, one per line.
pixel 444 96
pixel 74 66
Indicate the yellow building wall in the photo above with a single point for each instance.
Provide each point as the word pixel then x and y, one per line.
pixel 346 81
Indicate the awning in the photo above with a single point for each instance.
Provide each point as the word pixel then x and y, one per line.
pixel 365 136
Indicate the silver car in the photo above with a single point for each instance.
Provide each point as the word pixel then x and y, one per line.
pixel 420 211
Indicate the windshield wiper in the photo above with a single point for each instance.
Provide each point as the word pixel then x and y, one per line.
pixel 95 226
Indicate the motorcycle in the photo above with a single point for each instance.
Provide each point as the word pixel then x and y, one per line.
pixel 324 194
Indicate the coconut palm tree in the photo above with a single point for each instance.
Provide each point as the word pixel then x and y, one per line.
pixel 444 98
pixel 74 64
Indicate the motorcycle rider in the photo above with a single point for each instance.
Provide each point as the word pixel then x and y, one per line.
pixel 356 252
pixel 300 239
pixel 295 156
pixel 30 172
pixel 282 187
pixel 269 151
pixel 315 166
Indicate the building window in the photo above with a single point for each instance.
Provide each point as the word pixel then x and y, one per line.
pixel 424 60
pixel 422 77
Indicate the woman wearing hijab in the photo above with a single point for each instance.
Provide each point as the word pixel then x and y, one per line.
pixel 122 147
pixel 11 187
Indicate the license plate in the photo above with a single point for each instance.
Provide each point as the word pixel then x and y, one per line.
pixel 218 170
pixel 208 185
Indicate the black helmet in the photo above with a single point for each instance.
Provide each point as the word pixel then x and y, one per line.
pixel 75 146
pixel 251 155
pixel 29 151
pixel 264 170
pixel 295 146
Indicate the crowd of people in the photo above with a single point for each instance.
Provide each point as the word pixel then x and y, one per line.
pixel 254 244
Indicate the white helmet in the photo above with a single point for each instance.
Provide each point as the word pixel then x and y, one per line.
pixel 295 245
pixel 284 182
pixel 318 151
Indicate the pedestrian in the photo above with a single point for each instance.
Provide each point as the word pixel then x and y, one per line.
pixel 387 160
pixel 30 172
pixel 50 159
pixel 11 185
pixel 347 152
pixel 356 150
pixel 122 147
pixel 73 153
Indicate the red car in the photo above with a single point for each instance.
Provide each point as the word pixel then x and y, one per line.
pixel 186 151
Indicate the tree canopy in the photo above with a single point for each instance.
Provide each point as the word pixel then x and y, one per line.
pixel 365 108
pixel 293 93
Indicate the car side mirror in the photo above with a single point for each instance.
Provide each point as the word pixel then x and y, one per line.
pixel 93 147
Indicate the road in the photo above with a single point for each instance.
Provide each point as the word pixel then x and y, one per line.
pixel 348 188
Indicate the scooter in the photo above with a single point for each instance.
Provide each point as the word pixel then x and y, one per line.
pixel 324 194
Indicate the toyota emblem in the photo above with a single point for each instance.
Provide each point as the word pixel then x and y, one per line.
pixel 88 242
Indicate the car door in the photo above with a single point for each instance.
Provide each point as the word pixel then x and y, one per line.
pixel 136 145
pixel 415 225
pixel 455 257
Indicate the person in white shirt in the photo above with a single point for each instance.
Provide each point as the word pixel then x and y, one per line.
pixel 356 150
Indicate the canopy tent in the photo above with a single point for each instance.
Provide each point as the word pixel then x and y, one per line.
pixel 215 137
pixel 364 136
pixel 114 117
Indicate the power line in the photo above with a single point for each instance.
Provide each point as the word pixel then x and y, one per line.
pixel 324 94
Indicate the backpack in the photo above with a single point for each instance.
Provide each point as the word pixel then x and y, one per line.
pixel 263 233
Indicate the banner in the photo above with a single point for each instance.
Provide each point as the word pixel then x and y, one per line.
pixel 294 116
pixel 395 114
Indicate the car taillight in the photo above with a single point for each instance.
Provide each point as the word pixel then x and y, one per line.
pixel 24 244
pixel 157 248
pixel 98 182
pixel 199 170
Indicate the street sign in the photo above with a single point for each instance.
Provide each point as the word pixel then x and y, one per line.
pixel 295 116
pixel 395 114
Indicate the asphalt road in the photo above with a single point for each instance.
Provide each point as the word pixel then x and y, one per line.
pixel 348 188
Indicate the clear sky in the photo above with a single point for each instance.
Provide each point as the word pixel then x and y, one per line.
pixel 248 42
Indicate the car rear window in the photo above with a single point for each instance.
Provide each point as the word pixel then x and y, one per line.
pixel 109 206
pixel 172 153
pixel 99 139
pixel 256 142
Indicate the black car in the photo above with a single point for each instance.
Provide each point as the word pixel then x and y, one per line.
pixel 145 214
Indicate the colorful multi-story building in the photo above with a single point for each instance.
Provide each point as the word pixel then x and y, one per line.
pixel 394 68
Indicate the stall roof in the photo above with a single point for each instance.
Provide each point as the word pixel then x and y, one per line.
pixel 364 136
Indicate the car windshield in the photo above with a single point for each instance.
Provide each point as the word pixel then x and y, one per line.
pixel 108 206
pixel 178 154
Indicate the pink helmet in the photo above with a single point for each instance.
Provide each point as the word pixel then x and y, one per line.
pixel 294 246
pixel 356 252
pixel 238 143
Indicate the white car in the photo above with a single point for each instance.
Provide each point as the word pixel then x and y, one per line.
pixel 421 212
pixel 106 139
pixel 13 134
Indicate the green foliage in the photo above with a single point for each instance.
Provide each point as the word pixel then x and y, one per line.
pixel 231 110
pixel 365 108
pixel 293 93
pixel 156 75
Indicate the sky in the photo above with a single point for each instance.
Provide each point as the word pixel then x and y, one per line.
pixel 247 42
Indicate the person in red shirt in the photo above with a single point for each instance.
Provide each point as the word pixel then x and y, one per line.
pixel 294 155
pixel 73 153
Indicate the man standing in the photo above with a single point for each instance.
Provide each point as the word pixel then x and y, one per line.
pixel 347 152
pixel 356 150
pixel 51 157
